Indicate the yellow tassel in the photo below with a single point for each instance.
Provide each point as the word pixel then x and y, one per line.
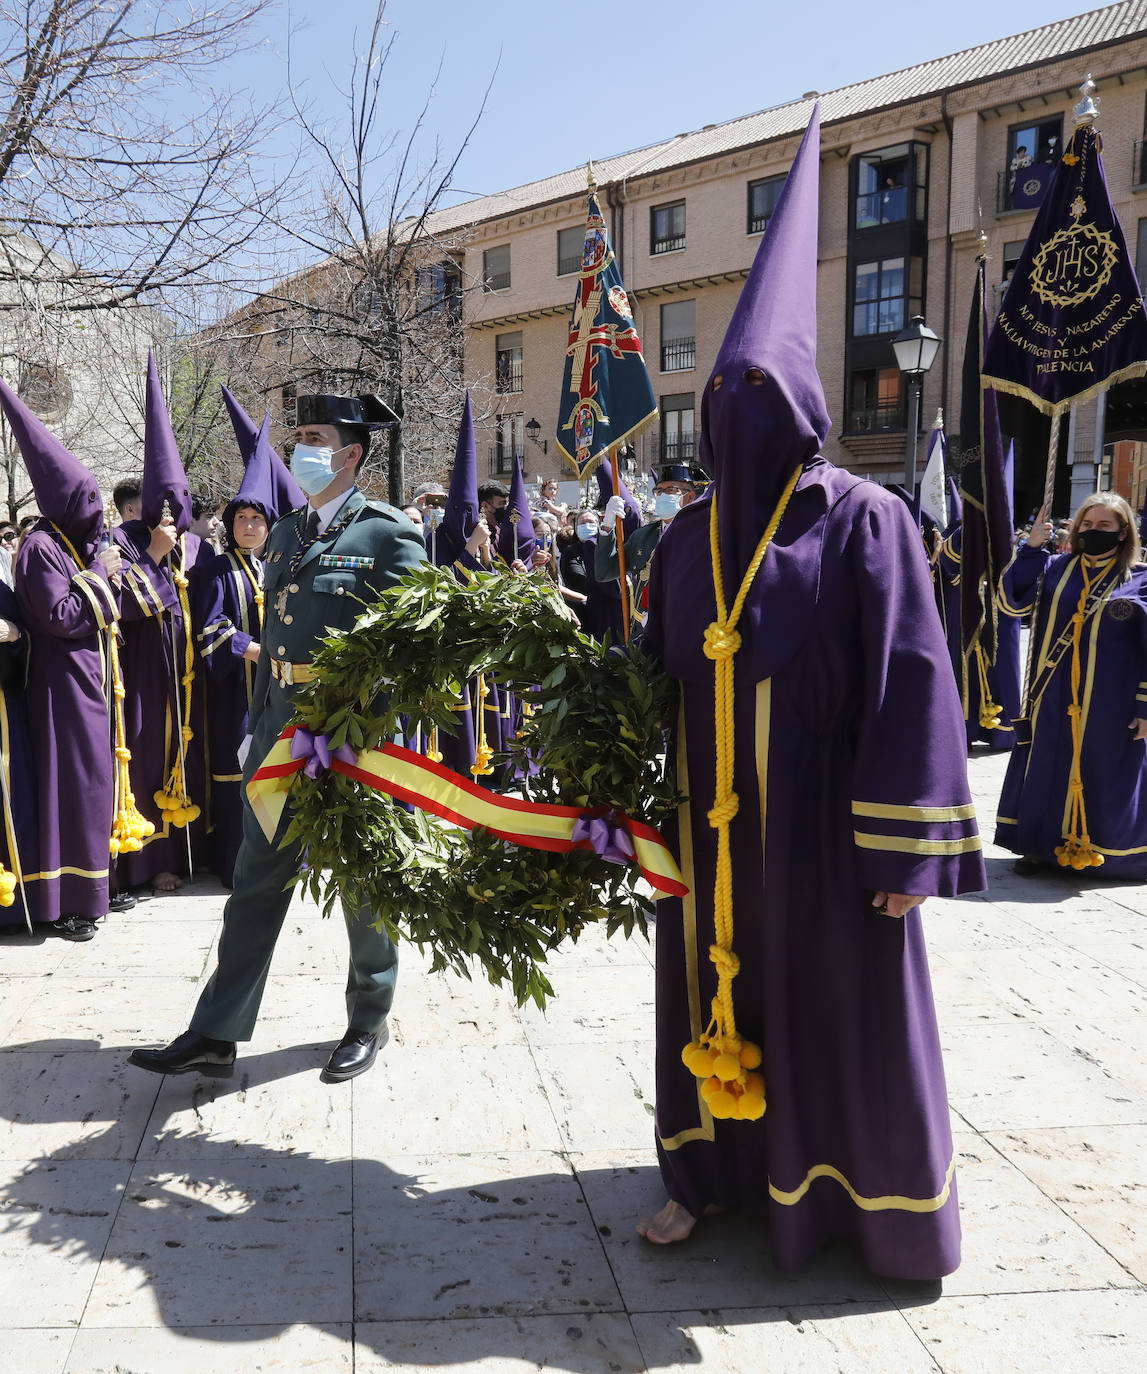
pixel 483 754
pixel 7 887
pixel 721 1057
pixel 1077 851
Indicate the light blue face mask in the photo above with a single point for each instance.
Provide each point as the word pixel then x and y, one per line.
pixel 666 504
pixel 311 467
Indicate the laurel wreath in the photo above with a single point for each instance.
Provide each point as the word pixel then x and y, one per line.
pixel 595 734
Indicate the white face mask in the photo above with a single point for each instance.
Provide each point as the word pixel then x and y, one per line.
pixel 586 531
pixel 666 504
pixel 311 466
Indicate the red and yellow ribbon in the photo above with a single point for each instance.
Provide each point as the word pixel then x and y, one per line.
pixel 413 778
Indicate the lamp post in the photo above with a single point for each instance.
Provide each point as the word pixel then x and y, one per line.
pixel 533 429
pixel 915 349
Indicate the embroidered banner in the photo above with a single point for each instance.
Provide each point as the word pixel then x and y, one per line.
pixel 1072 321
pixel 413 778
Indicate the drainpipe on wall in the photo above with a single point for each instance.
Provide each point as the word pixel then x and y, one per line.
pixel 947 330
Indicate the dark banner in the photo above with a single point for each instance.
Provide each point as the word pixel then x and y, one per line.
pixel 1072 320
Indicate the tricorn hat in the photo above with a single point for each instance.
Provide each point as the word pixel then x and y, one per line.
pixel 371 412
pixel 682 472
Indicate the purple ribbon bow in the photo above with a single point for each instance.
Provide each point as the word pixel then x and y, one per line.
pixel 607 836
pixel 317 752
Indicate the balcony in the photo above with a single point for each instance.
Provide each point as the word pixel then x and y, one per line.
pixel 1023 189
pixel 887 206
pixel 501 460
pixel 678 355
pixel 679 450
pixel 877 419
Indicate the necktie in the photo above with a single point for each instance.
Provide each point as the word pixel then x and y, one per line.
pixel 312 527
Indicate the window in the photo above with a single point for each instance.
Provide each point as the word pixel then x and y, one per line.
pixel 678 337
pixel 509 442
pixel 883 298
pixel 667 227
pixel 875 400
pixel 677 428
pixel 891 185
pixel 496 268
pixel 1141 252
pixel 1033 150
pixel 508 362
pixel 763 197
pixel 440 289
pixel 571 246
pixel 1012 253
pixel 290 411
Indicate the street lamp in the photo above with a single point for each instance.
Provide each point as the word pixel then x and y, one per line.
pixel 915 348
pixel 533 429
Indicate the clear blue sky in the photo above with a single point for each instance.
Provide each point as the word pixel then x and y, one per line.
pixel 572 81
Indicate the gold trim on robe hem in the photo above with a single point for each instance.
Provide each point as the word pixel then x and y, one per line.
pixel 890 1202
pixel 881 811
pixel 903 844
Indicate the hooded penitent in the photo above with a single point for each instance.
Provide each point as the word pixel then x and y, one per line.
pixel 286 493
pixel 163 475
pixel 66 492
pixel 516 532
pixel 754 433
pixel 461 513
pixel 262 486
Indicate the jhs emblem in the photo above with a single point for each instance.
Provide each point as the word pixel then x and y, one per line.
pixel 1120 609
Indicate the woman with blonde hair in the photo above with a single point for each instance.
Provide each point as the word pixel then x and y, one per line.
pixel 1075 794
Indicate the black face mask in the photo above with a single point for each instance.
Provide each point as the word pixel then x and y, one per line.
pixel 1096 543
pixel 500 513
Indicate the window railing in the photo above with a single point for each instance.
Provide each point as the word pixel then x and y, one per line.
pixel 569 265
pixel 876 419
pixel 668 244
pixel 501 459
pixel 497 281
pixel 679 450
pixel 759 223
pixel 1139 163
pixel 886 206
pixel 678 355
pixel 508 377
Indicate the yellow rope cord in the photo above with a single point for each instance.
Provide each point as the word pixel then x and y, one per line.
pixel 173 799
pixel 1076 851
pixel 726 1062
pixel 990 712
pixel 129 826
pixel 258 591
pixel 483 754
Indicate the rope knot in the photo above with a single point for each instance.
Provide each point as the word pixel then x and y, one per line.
pixel 725 961
pixel 724 811
pixel 179 579
pixel 1074 711
pixel 720 642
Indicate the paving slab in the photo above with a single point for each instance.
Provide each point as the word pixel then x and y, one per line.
pixel 307 1349
pixel 597 1343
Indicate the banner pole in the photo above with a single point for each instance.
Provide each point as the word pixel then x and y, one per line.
pixel 1052 456
pixel 619 539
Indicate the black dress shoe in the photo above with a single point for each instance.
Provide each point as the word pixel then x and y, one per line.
pixel 354 1054
pixel 72 928
pixel 122 901
pixel 189 1052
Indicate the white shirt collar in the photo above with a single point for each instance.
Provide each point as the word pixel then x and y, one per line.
pixel 329 509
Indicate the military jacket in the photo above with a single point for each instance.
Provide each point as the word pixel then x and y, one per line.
pixel 369 547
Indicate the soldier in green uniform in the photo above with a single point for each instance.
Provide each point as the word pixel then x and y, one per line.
pixel 677 485
pixel 323 562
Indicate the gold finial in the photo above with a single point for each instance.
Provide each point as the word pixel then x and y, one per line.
pixel 111 514
pixel 1087 111
pixel 591 180
pixel 938 422
pixel 982 245
pixel 165 511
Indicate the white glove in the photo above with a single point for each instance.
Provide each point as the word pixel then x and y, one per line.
pixel 615 509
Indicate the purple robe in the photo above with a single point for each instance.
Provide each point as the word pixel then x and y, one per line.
pixel 850 770
pixel 226 620
pixel 1034 803
pixel 153 658
pixel 19 831
pixel 67 611
pixel 1003 676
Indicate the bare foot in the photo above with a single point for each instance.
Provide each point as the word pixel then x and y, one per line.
pixel 672 1224
pixel 166 882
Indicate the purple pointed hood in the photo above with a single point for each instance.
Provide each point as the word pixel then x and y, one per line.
pixel 66 492
pixel 288 495
pixel 461 513
pixel 163 475
pixel 516 532
pixel 753 437
pixel 259 487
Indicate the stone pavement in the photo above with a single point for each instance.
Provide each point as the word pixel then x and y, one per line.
pixel 469 1204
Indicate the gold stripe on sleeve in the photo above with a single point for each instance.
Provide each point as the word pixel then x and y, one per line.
pixel 900 844
pixel 919 815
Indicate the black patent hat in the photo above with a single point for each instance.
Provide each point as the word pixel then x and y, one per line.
pixel 683 472
pixel 371 412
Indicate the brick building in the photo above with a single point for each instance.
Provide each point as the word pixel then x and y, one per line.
pixel 912 165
